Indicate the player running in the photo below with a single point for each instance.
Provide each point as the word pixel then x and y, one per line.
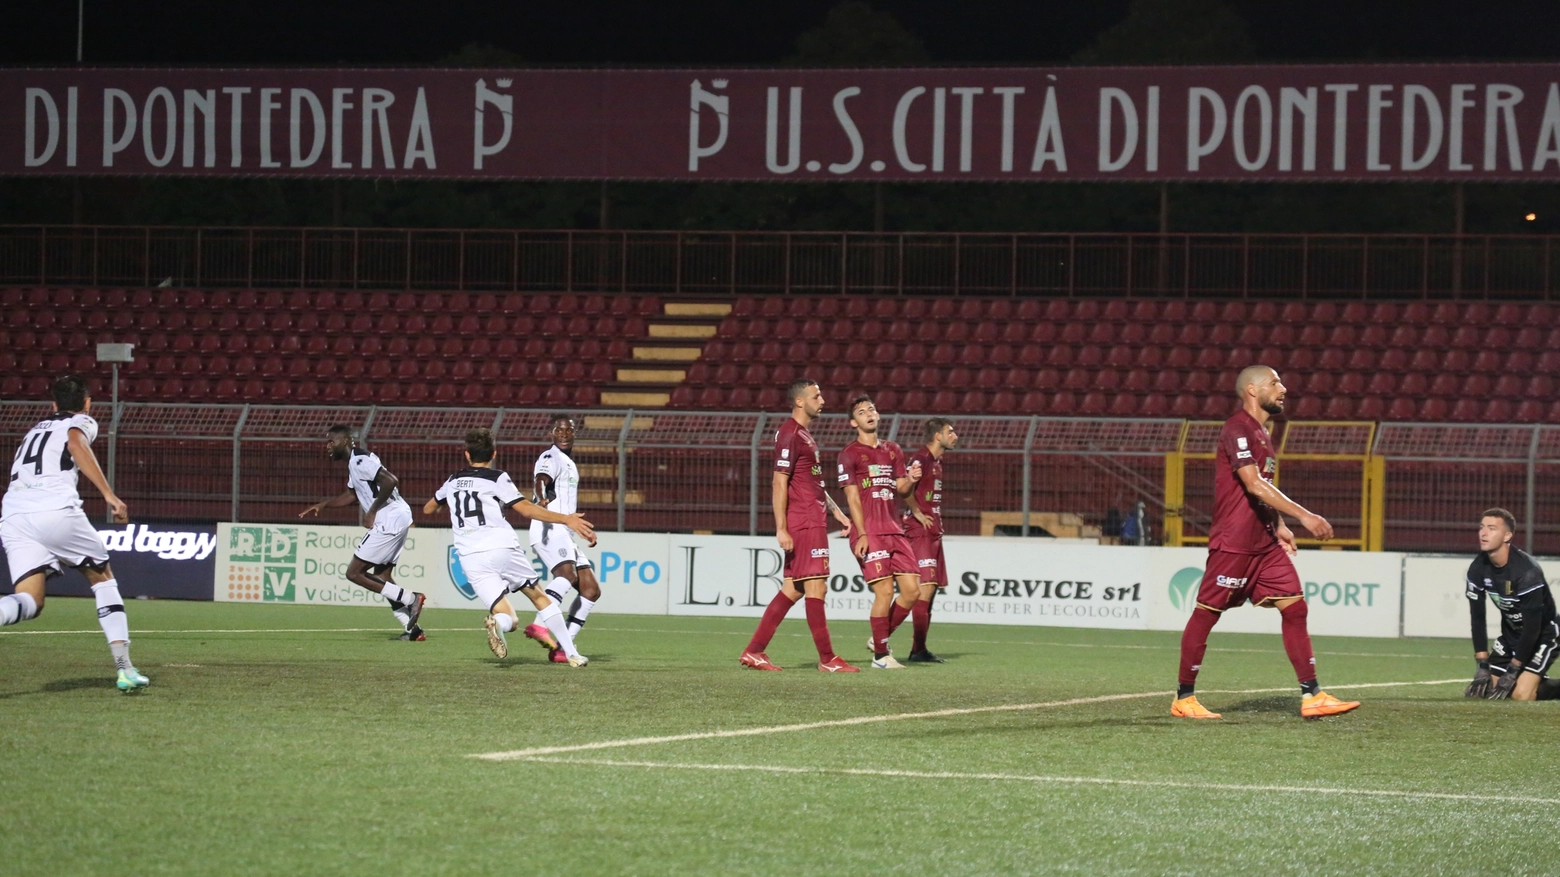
pixel 874 475
pixel 924 529
pixel 490 553
pixel 557 483
pixel 801 527
pixel 1528 629
pixel 43 527
pixel 1249 548
pixel 388 519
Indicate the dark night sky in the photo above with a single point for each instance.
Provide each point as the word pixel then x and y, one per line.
pixel 674 32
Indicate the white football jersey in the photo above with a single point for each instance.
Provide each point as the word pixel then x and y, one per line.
pixel 565 476
pixel 43 473
pixel 362 469
pixel 477 499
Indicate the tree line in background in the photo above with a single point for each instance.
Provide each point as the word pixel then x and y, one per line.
pixel 853 33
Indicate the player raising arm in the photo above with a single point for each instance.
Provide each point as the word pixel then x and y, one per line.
pixel 801 528
pixel 1249 549
pixel 43 527
pixel 872 470
pixel 388 518
pixel 490 553
pixel 1528 630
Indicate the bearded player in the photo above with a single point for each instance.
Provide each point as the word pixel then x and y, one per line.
pixel 1250 548
pixel 873 472
pixel 1529 632
pixel 924 529
pixel 801 507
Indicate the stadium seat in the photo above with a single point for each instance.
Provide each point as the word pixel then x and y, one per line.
pixel 1339 408
pixel 1046 380
pixel 1078 379
pixel 1402 408
pixel 915 401
pixel 1150 357
pixel 1530 411
pixel 1033 402
pixel 1518 360
pixel 945 400
pixel 1093 405
pixel 1540 386
pixel 1062 404
pixel 899 378
pixel 1307 408
pixel 1475 385
pixel 1434 410
pixel 1466 411
pixel 989 378
pixel 1002 402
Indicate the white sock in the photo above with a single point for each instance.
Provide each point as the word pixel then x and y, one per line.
pixel 394 593
pixel 111 616
pixel 552 619
pixel 578 614
pixel 16 608
pixel 557 588
pixel 403 617
pixel 506 622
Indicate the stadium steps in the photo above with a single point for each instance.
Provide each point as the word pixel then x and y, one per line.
pixel 674 338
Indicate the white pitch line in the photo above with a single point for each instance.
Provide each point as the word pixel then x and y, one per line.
pixel 514 754
pixel 1025 778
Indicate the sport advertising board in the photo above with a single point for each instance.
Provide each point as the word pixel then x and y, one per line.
pixel 991 581
pixel 287 563
pixel 174 561
pixel 1289 122
pixel 1435 595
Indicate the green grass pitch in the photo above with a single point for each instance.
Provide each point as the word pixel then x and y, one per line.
pixel 304 740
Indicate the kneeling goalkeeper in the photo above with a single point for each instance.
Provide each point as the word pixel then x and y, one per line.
pixel 1528 630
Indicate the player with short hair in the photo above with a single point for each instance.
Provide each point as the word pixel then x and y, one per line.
pixel 557 483
pixel 1249 548
pixel 490 552
pixel 924 528
pixel 801 506
pixel 873 472
pixel 388 519
pixel 1529 631
pixel 43 527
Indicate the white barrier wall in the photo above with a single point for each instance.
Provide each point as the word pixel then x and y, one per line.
pixel 992 581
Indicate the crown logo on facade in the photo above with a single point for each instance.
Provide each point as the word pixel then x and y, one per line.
pixel 505 83
pixel 718 83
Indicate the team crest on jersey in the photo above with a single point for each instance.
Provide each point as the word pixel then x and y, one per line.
pixel 458 576
pixel 1240 442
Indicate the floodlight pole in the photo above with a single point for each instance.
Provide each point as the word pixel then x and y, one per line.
pixel 114 354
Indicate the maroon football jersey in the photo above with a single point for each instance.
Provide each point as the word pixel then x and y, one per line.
pixel 796 454
pixel 875 470
pixel 927 495
pixel 1242 524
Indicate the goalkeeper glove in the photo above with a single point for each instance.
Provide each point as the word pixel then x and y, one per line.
pixel 1507 682
pixel 1482 681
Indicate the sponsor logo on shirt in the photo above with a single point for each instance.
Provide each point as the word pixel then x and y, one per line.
pixel 878 555
pixel 820 552
pixel 926 561
pixel 1230 582
pixel 1242 455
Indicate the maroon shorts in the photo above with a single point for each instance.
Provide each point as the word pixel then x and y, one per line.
pixel 929 559
pixel 888 555
pixel 809 555
pixel 1232 579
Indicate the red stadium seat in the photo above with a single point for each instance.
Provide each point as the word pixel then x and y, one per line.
pixel 1466 411
pixel 1034 402
pixel 1150 357
pixel 1351 384
pixel 945 400
pixel 915 401
pixel 1093 405
pixel 1123 405
pixel 1498 411
pixel 1402 408
pixel 1047 380
pixel 989 378
pixel 1016 379
pixel 1031 355
pixel 526 395
pixel 1382 384
pixel 1002 402
pixel 711 397
pixel 1339 408
pixel 682 397
pixel 1060 356
pixel 856 352
pixel 1475 385
pixel 971 309
pixel 1078 379
pixel 1530 411
pixel 1179 358
pixel 1361 359
pixel 1540 386
pixel 1042 333
pixel 1168 382
pixel 870 377
pixel 1434 410
pixel 1062 404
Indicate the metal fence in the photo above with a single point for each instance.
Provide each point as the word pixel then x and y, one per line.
pixel 709 471
pixel 731 263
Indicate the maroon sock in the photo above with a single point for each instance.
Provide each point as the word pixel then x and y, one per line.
pixel 1194 643
pixel 920 623
pixel 767 626
pixel 896 616
pixel 879 634
pixel 1297 640
pixel 819 624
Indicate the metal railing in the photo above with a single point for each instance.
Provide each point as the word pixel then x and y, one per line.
pixel 731 263
pixel 686 471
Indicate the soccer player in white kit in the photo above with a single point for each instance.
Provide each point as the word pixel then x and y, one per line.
pixel 43 527
pixel 490 552
pixel 388 519
pixel 557 484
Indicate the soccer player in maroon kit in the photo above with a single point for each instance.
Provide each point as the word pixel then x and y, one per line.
pixel 801 527
pixel 875 476
pixel 1249 548
pixel 924 529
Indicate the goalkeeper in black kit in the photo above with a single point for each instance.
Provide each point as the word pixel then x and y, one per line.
pixel 1528 630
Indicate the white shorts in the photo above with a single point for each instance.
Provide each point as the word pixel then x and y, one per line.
pixel 493 574
pixel 554 544
pixel 46 541
pixel 382 545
